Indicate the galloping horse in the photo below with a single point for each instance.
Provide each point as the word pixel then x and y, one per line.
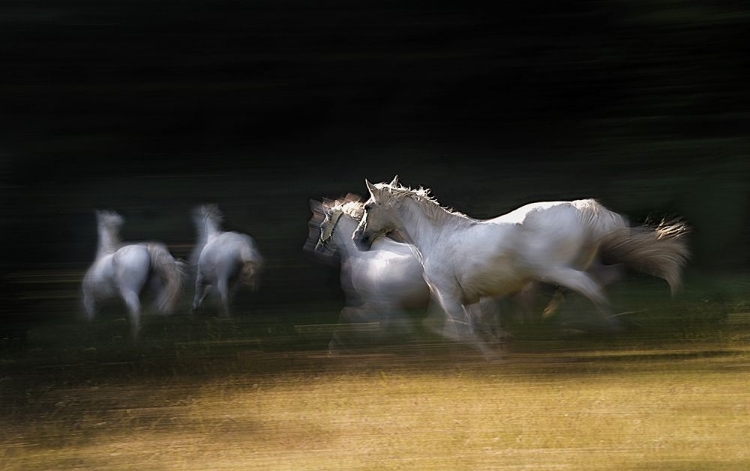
pixel 126 269
pixel 222 259
pixel 380 284
pixel 553 242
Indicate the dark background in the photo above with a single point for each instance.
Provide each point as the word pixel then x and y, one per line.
pixel 152 107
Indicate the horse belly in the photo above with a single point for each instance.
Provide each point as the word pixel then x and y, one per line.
pixel 394 282
pixel 491 277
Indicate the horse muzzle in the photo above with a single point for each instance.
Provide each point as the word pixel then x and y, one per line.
pixel 362 240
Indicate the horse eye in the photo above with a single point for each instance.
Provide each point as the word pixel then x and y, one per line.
pixel 368 207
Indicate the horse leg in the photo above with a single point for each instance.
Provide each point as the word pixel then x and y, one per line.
pixel 134 308
pixel 582 283
pixel 458 323
pixel 336 342
pixel 89 304
pixel 575 280
pixel 395 322
pixel 222 286
pixel 342 336
pixel 487 316
pixel 201 291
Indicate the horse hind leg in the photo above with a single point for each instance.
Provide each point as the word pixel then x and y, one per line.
pixel 584 284
pixel 223 288
pixel 134 309
pixel 89 305
pixel 201 291
pixel 577 281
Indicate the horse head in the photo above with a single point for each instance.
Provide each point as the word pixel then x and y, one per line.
pixel 326 216
pixel 378 217
pixel 109 220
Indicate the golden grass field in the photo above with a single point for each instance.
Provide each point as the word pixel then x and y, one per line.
pixel 262 393
pixel 682 406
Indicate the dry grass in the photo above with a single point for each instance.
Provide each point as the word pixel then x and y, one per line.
pixel 442 410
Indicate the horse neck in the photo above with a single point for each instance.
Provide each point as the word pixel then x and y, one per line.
pixel 109 241
pixel 342 235
pixel 422 229
pixel 208 228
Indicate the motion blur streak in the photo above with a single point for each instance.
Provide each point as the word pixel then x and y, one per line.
pixel 152 108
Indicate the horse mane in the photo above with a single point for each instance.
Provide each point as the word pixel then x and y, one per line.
pixel 432 208
pixel 109 219
pixel 351 205
pixel 208 220
pixel 212 213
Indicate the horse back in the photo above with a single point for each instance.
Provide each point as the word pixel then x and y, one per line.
pixel 230 251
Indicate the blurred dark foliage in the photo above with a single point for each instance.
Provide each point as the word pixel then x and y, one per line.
pixel 132 79
pixel 151 107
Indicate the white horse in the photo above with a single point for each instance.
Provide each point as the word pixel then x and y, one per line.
pixel 380 284
pixel 222 259
pixel 553 242
pixel 125 270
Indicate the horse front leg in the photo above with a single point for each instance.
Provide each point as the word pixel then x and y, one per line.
pixel 342 335
pixel 487 317
pixel 459 324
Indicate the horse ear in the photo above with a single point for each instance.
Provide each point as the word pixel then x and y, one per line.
pixel 395 181
pixel 370 187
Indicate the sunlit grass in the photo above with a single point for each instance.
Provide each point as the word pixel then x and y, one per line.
pixel 587 410
pixel 200 393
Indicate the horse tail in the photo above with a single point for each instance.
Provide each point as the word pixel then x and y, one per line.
pixel 252 264
pixel 171 271
pixel 659 250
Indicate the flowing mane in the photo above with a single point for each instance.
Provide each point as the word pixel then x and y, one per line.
pixel 208 220
pixel 351 205
pixel 432 208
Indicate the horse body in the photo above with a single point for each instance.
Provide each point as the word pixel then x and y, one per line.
pixel 222 259
pixel 501 256
pixel 381 283
pixel 125 270
pixel 465 259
